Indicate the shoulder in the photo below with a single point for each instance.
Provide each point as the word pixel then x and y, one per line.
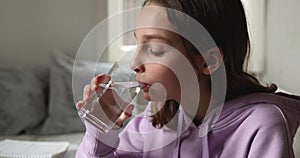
pixel 265 115
pixel 254 111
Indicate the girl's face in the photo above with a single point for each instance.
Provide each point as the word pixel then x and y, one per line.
pixel 154 47
pixel 157 49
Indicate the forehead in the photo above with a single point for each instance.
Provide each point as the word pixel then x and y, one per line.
pixel 154 16
pixel 153 22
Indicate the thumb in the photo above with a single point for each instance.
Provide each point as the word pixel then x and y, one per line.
pixel 125 115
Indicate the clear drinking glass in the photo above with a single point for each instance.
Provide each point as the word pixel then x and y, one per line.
pixel 103 109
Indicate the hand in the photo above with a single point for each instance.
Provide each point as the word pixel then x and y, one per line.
pixel 110 102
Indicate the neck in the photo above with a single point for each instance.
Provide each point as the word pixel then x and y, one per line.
pixel 202 109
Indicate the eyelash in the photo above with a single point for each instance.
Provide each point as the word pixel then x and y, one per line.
pixel 157 53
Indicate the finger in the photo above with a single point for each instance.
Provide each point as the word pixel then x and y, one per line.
pixel 79 104
pixel 94 82
pixel 87 92
pixel 101 78
pixel 128 110
pixel 125 115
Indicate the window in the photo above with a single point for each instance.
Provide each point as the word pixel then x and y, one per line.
pixel 126 40
pixel 255 12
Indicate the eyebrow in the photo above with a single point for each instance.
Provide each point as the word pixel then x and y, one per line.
pixel 154 36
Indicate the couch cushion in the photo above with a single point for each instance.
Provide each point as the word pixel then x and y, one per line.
pixel 23 95
pixel 62 113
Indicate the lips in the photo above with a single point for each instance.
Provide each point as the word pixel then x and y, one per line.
pixel 144 86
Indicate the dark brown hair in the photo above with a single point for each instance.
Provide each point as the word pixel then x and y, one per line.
pixel 226 22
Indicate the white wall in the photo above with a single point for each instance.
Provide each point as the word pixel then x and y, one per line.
pixel 116 9
pixel 30 29
pixel 283 44
pixel 255 12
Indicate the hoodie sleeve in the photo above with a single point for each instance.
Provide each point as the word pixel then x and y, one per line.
pixel 272 138
pixel 107 145
pixel 95 144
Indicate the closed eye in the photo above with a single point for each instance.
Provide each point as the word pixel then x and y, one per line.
pixel 157 53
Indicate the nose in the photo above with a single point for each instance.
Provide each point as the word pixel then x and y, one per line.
pixel 136 63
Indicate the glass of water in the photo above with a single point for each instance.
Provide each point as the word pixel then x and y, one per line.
pixel 104 107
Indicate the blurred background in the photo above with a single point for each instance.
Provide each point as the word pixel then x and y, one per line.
pixel 31 29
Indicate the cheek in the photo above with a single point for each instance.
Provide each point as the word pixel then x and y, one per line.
pixel 168 80
pixel 163 75
pixel 173 88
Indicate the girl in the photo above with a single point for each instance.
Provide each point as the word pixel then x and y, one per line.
pixel 254 121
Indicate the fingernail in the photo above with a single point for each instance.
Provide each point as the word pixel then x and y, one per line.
pixel 94 87
pixel 129 109
pixel 86 99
